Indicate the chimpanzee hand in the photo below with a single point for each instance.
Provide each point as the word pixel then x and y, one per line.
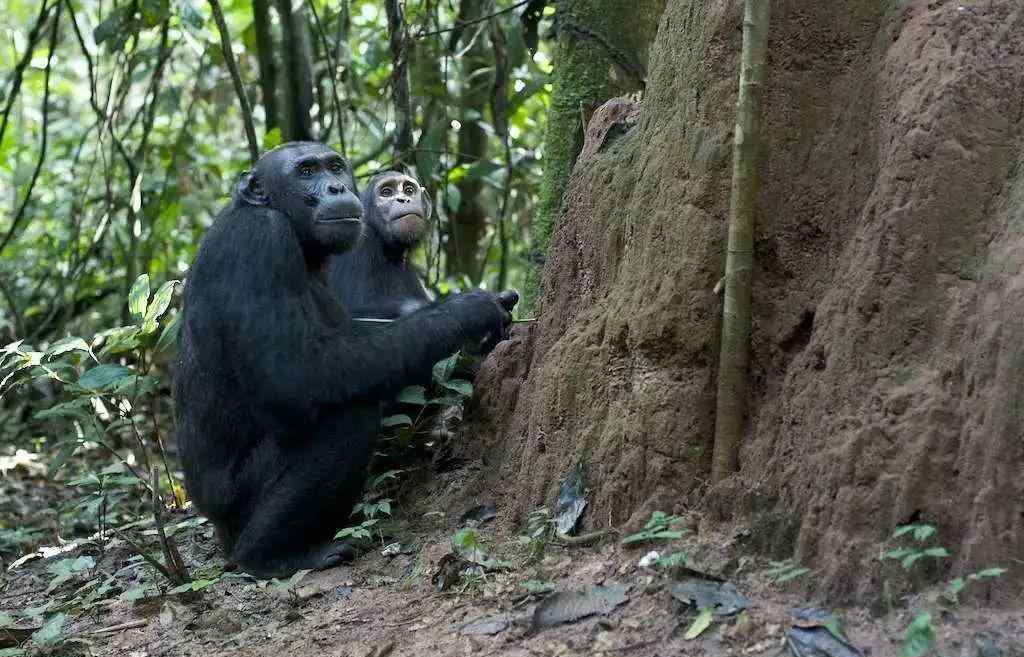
pixel 483 317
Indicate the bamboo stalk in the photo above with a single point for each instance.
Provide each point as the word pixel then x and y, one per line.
pixel 735 349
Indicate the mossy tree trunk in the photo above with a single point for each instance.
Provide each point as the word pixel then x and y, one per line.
pixel 601 52
pixel 739 262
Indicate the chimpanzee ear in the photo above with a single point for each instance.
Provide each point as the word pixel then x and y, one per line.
pixel 249 190
pixel 428 207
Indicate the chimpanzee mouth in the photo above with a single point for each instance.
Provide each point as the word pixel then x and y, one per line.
pixel 340 220
pixel 408 217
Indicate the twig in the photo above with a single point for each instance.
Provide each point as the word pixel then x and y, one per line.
pixel 583 539
pixel 481 19
pixel 130 625
pixel 243 100
pixel 139 550
pixel 170 549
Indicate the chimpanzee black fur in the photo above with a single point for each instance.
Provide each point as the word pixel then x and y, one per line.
pixel 278 392
pixel 375 278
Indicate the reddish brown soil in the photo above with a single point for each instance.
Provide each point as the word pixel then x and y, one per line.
pixel 383 606
pixel 888 361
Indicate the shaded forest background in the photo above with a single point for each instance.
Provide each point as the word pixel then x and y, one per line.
pixel 886 369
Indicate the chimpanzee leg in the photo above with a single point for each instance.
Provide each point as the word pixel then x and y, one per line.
pixel 302 505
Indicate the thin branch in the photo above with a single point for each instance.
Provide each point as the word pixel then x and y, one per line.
pixel 45 130
pixel 243 100
pixel 481 19
pixel 339 116
pixel 19 71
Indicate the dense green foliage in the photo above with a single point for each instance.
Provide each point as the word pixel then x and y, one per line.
pixel 122 134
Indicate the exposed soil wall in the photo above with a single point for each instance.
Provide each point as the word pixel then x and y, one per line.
pixel 888 357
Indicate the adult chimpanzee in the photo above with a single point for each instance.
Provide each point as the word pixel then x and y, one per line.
pixel 278 391
pixel 375 278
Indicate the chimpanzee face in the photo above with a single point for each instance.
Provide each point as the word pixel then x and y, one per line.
pixel 314 187
pixel 400 209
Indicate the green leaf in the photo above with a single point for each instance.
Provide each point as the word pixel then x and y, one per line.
pixel 987 573
pixel 161 300
pixel 138 298
pixel 113 25
pixel 443 368
pixel 12 652
pixel 413 395
pixel 194 585
pixel 169 336
pixel 154 11
pixel 272 139
pixel 68 344
pixel 953 589
pixel 538 587
pixel 792 574
pixel 923 532
pixel 464 388
pixel 190 15
pixel 454 198
pixel 104 376
pixel 920 636
pixel 701 623
pixel 936 552
pixel 396 421
pixel 51 632
pixel 6 620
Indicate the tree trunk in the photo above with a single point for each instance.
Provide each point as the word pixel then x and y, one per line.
pixel 465 254
pixel 739 261
pixel 297 87
pixel 265 55
pixel 601 52
pixel 398 42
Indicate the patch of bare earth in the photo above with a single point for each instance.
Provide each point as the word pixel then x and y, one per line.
pixel 388 605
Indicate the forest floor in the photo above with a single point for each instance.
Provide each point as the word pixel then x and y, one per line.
pixel 415 599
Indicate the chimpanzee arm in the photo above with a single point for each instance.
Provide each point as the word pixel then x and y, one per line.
pixel 252 308
pixel 389 308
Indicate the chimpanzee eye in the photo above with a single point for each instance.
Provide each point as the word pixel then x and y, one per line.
pixel 307 170
pixel 386 191
pixel 410 189
pixel 337 166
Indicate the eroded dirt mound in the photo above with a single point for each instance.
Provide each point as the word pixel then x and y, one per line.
pixel 888 360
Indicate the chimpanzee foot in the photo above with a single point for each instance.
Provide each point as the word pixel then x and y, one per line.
pixel 319 557
pixel 332 554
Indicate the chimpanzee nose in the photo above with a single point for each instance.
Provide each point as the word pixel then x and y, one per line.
pixel 335 188
pixel 402 199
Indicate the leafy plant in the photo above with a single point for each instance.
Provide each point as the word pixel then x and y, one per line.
pixel 953 589
pixel 658 528
pixel 671 560
pixel 909 555
pixel 468 544
pixel 540 528
pixel 784 571
pixel 920 636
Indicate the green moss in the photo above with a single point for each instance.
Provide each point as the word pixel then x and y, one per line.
pixel 601 53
